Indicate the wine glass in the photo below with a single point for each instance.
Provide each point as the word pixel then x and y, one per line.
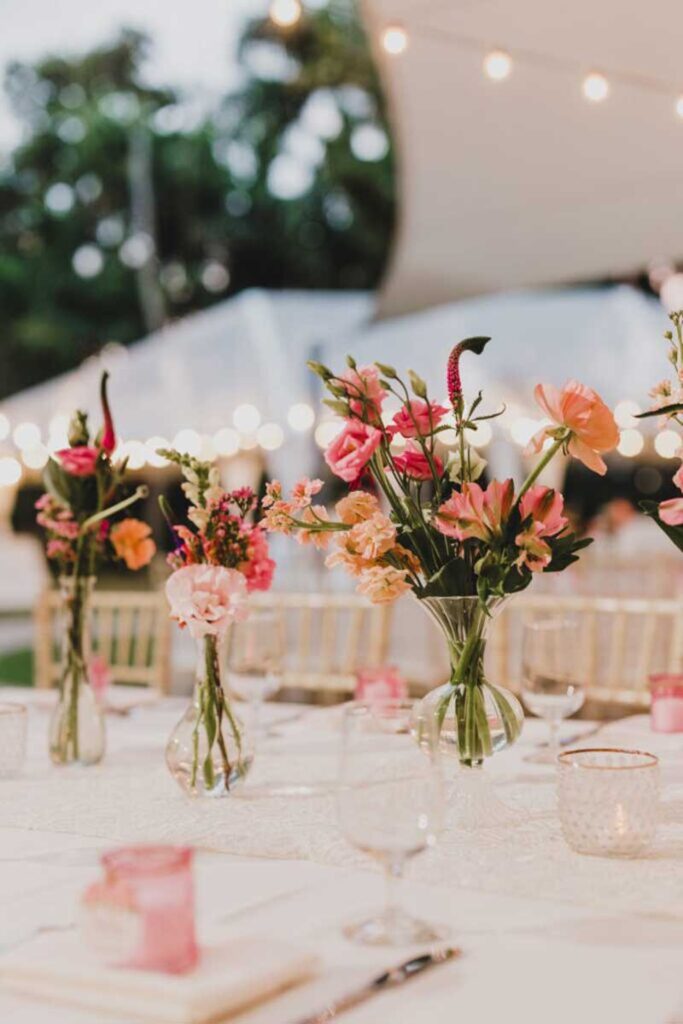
pixel 551 676
pixel 390 804
pixel 254 660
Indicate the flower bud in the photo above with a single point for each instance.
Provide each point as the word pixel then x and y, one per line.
pixel 417 384
pixel 78 433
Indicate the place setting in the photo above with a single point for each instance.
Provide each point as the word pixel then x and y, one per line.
pixel 341 514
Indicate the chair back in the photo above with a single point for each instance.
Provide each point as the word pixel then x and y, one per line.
pixel 130 631
pixel 623 642
pixel 327 637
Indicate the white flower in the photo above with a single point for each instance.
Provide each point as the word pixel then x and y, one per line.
pixel 477 465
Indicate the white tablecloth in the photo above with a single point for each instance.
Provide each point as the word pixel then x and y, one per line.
pixel 546 934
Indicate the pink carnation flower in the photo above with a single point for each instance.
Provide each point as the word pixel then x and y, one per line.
pixel 79 461
pixel 414 463
pixel 352 449
pixel 207 598
pixel 417 418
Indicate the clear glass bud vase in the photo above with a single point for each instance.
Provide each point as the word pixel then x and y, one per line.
pixel 76 732
pixel 209 753
pixel 476 719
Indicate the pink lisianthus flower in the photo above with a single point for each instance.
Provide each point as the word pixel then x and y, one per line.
pixel 352 449
pixel 580 410
pixel 304 490
pixel 78 461
pixel 207 598
pixel 417 418
pixel 414 463
pixel 545 506
pixel 671 511
pixel 473 513
pixel 382 584
pixel 364 391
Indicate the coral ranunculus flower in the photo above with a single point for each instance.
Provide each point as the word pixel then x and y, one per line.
pixel 473 513
pixel 580 410
pixel 352 449
pixel 78 461
pixel 132 541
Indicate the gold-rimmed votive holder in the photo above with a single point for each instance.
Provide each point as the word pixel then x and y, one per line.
pixel 13 718
pixel 608 800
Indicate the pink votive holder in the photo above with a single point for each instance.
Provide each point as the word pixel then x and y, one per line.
pixel 142 914
pixel 666 709
pixel 384 683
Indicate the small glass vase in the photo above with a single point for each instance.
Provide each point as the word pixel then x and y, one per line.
pixel 76 732
pixel 209 753
pixel 475 718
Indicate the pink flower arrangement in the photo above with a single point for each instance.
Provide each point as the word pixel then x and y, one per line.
pixel 417 418
pixel 207 598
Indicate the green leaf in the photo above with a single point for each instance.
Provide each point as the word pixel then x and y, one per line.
pixel 674 533
pixel 665 410
pixel 57 482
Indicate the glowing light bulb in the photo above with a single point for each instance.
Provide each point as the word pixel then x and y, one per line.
pixel 10 471
pixel 151 454
pixel 497 65
pixel 300 416
pixel 35 457
pixel 667 444
pixel 595 87
pixel 188 442
pixel 394 40
pixel 326 431
pixel 26 435
pixel 270 436
pixel 246 418
pixel 679 106
pixel 625 411
pixel 226 441
pixel 631 443
pixel 285 13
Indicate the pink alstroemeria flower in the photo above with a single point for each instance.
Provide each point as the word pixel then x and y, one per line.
pixel 79 461
pixel 671 511
pixel 352 449
pixel 546 507
pixel 580 410
pixel 414 463
pixel 417 418
pixel 473 513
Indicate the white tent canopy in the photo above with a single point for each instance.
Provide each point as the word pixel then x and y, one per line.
pixel 524 182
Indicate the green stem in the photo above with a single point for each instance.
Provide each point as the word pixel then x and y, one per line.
pixel 541 464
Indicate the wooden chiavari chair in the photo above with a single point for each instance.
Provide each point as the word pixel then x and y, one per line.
pixel 130 631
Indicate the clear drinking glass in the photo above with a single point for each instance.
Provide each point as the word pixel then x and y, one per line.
pixel 608 800
pixel 254 660
pixel 551 676
pixel 12 738
pixel 390 804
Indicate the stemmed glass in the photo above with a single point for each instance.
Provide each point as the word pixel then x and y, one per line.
pixel 390 804
pixel 551 676
pixel 254 660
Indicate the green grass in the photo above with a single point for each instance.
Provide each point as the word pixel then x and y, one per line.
pixel 16 667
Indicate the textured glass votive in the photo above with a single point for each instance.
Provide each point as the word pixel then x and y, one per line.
pixel 666 710
pixel 12 738
pixel 608 800
pixel 142 914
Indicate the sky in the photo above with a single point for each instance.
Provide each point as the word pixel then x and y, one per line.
pixel 193 42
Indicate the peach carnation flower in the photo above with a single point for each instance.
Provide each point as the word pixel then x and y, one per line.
pixel 580 410
pixel 373 537
pixel 383 584
pixel 356 506
pixel 207 598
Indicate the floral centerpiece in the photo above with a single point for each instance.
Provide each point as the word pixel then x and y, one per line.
pixel 81 514
pixel 221 555
pixel 668 406
pixel 459 547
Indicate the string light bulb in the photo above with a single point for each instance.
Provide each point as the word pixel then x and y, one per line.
pixel 394 40
pixel 679 106
pixel 595 87
pixel 285 13
pixel 497 65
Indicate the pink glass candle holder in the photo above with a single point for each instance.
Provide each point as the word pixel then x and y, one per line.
pixel 666 709
pixel 142 914
pixel 385 683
